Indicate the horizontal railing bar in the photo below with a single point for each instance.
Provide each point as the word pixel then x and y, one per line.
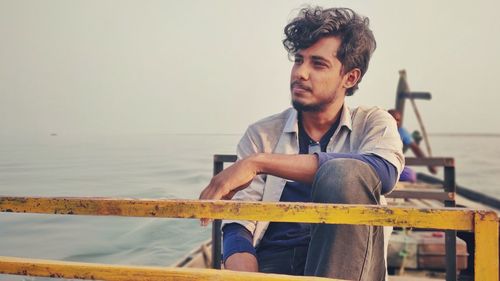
pixel 90 271
pixel 441 218
pixel 225 158
pixel 433 161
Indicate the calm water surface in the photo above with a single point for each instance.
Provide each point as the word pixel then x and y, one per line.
pixel 147 166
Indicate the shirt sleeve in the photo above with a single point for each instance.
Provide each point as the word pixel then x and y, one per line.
pixel 406 138
pixel 237 239
pixel 386 172
pixel 377 134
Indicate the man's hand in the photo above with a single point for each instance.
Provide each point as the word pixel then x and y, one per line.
pixel 231 180
pixel 432 169
pixel 301 167
pixel 242 262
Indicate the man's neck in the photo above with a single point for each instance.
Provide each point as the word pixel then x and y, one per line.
pixel 316 124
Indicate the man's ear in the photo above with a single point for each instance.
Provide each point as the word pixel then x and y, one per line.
pixel 351 78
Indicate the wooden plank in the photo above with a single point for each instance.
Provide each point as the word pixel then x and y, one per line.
pixel 417 95
pixel 457 218
pixel 418 185
pixel 409 161
pixel 431 161
pixel 422 194
pixel 90 271
pixel 488 200
pixel 486 266
pixel 413 278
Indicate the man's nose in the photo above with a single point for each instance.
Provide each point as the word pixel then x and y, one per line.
pixel 301 72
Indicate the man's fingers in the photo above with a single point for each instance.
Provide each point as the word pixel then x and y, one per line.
pixel 209 193
pixel 205 222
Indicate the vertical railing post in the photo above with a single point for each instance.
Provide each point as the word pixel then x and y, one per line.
pixel 216 226
pixel 450 235
pixel 486 267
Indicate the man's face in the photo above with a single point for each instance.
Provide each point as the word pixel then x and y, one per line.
pixel 316 80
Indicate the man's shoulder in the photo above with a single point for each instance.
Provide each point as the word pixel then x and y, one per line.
pixel 366 114
pixel 274 123
pixel 367 111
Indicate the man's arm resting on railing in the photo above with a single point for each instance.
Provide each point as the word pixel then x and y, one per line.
pixel 238 176
pixel 301 168
pixel 239 253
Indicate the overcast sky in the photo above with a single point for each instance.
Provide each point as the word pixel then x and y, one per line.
pixel 216 66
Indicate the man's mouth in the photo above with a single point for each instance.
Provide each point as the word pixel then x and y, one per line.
pixel 297 87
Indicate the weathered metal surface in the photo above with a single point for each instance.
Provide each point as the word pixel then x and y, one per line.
pixel 486 265
pixel 460 219
pixel 89 271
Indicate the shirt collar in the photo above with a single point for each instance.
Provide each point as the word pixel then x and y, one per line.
pixel 291 125
pixel 345 118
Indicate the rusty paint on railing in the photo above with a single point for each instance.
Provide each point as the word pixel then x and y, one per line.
pixel 444 218
pixel 483 223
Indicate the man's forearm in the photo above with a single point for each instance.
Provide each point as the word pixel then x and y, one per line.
pixel 416 150
pixel 238 176
pixel 301 167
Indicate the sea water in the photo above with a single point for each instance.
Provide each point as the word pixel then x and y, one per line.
pixel 147 166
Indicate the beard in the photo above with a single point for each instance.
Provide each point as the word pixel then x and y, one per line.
pixel 318 106
pixel 308 107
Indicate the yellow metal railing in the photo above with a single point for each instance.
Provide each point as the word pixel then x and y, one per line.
pixel 483 223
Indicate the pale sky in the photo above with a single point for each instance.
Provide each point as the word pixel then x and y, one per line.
pixel 216 66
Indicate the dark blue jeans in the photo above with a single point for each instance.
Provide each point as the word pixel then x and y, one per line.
pixel 286 261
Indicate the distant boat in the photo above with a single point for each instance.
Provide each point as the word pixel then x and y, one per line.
pixel 53 135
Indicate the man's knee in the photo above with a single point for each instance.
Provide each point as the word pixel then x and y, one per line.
pixel 344 181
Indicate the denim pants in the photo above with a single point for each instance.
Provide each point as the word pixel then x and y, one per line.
pixel 351 252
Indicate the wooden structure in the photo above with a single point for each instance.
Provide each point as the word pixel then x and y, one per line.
pixel 447 196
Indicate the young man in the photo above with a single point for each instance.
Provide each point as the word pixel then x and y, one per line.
pixel 318 151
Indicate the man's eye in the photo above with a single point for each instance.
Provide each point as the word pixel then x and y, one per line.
pixel 320 64
pixel 297 60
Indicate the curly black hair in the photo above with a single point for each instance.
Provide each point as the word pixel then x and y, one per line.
pixel 314 23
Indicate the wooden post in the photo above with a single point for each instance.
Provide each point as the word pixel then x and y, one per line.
pixel 400 93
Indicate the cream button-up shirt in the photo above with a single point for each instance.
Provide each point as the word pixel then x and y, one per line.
pixel 362 130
